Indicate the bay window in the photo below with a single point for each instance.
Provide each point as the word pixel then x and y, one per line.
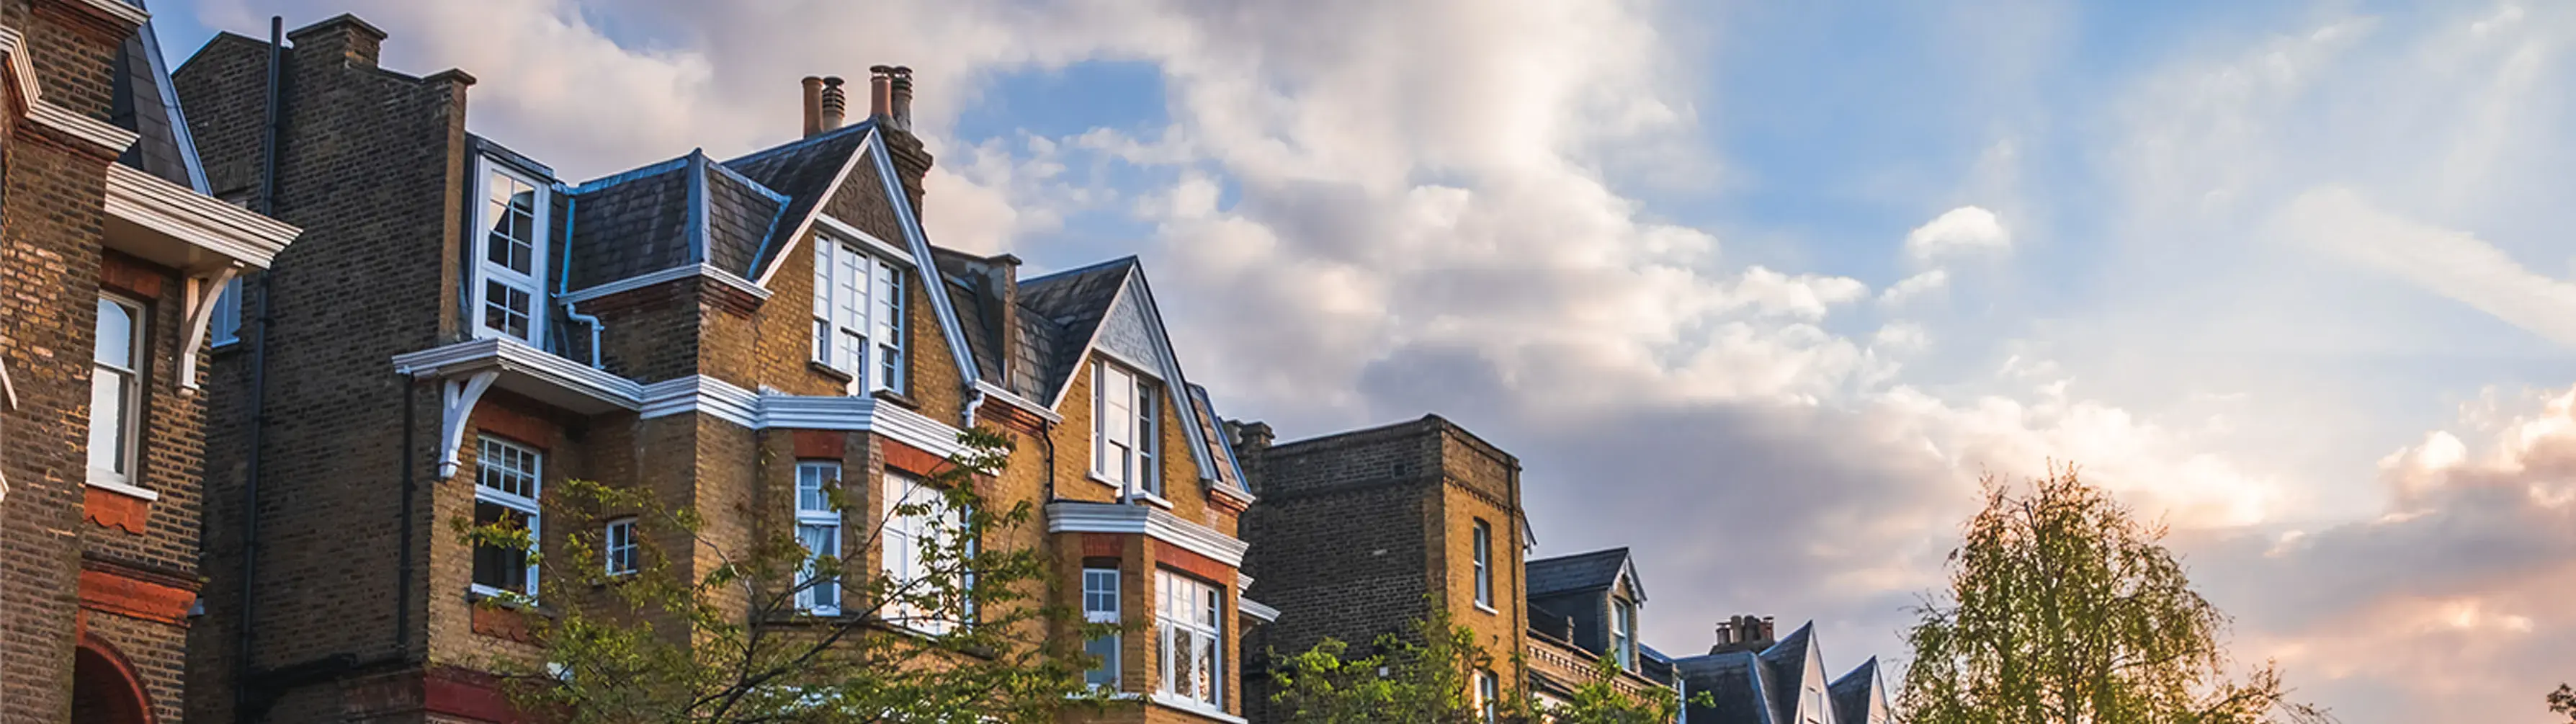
pixel 818 527
pixel 116 391
pixel 509 291
pixel 858 315
pixel 925 559
pixel 506 491
pixel 1100 606
pixel 1191 622
pixel 1125 435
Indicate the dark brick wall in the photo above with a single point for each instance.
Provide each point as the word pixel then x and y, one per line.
pixel 53 264
pixel 371 167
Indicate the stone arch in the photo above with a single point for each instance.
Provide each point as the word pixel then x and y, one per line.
pixel 105 687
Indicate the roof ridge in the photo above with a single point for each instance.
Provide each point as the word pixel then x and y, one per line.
pixel 799 143
pixel 1131 258
pixel 639 172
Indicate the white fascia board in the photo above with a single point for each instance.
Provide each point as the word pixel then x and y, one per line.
pixel 996 392
pixel 1257 610
pixel 119 10
pixel 1149 521
pixel 511 355
pixel 863 414
pixel 709 271
pixel 182 213
pixel 700 393
pixel 881 246
pixel 89 130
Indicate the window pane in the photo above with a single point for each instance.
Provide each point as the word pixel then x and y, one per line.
pixel 109 405
pixel 811 481
pixel 115 346
pixel 496 566
pixel 824 593
pixel 1105 649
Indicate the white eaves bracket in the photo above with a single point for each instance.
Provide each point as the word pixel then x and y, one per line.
pixel 456 404
pixel 202 294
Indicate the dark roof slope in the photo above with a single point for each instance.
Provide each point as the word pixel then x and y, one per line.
pixel 741 217
pixel 1788 662
pixel 1075 300
pixel 628 225
pixel 143 101
pixel 1578 572
pixel 1733 685
pixel 1852 693
pixel 802 171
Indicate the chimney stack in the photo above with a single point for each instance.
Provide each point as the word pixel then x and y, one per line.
pixel 813 105
pixel 834 102
pixel 880 92
pixel 1743 633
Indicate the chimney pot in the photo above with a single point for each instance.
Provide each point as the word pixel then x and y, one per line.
pixel 834 103
pixel 813 97
pixel 900 107
pixel 880 92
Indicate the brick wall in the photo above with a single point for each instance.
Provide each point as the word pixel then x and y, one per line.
pixel 371 167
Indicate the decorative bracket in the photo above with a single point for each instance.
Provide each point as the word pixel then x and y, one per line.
pixel 203 293
pixel 456 404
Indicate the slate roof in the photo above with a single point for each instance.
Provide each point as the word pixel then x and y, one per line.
pixel 628 225
pixel 801 170
pixel 1733 683
pixel 741 217
pixel 143 101
pixel 1074 301
pixel 1788 662
pixel 1852 693
pixel 1578 572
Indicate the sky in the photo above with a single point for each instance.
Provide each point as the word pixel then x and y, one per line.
pixel 1763 289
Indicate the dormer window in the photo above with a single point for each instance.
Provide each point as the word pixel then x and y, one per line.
pixel 858 315
pixel 509 291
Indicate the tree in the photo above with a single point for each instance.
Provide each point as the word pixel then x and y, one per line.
pixel 2062 608
pixel 2563 701
pixel 967 641
pixel 1428 678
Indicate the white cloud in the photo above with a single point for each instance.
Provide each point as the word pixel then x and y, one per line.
pixel 1915 287
pixel 1959 230
pixel 2450 263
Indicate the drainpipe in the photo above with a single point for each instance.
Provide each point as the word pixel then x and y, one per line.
pixel 563 282
pixel 268 142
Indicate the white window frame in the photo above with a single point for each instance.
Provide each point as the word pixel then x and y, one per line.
pixel 128 435
pixel 532 282
pixel 1101 605
pixel 858 319
pixel 1126 429
pixel 1815 713
pixel 1489 695
pixel 818 528
pixel 619 554
pixel 485 461
pixel 1623 633
pixel 902 563
pixel 1197 608
pixel 1482 535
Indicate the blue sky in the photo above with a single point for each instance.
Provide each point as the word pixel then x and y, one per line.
pixel 1762 288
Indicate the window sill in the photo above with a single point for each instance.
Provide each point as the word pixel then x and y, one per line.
pixel 124 489
pixel 827 371
pixel 1481 606
pixel 897 398
pixel 1194 707
pixel 1095 477
pixel 1155 499
pixel 478 593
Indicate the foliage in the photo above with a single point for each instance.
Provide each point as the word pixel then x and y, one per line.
pixel 2062 608
pixel 730 645
pixel 1429 678
pixel 2563 701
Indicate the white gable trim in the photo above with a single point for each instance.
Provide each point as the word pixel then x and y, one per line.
pixel 922 259
pixel 710 271
pixel 866 239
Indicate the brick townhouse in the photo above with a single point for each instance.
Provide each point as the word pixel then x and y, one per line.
pixel 459 328
pixel 112 262
pixel 1361 533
